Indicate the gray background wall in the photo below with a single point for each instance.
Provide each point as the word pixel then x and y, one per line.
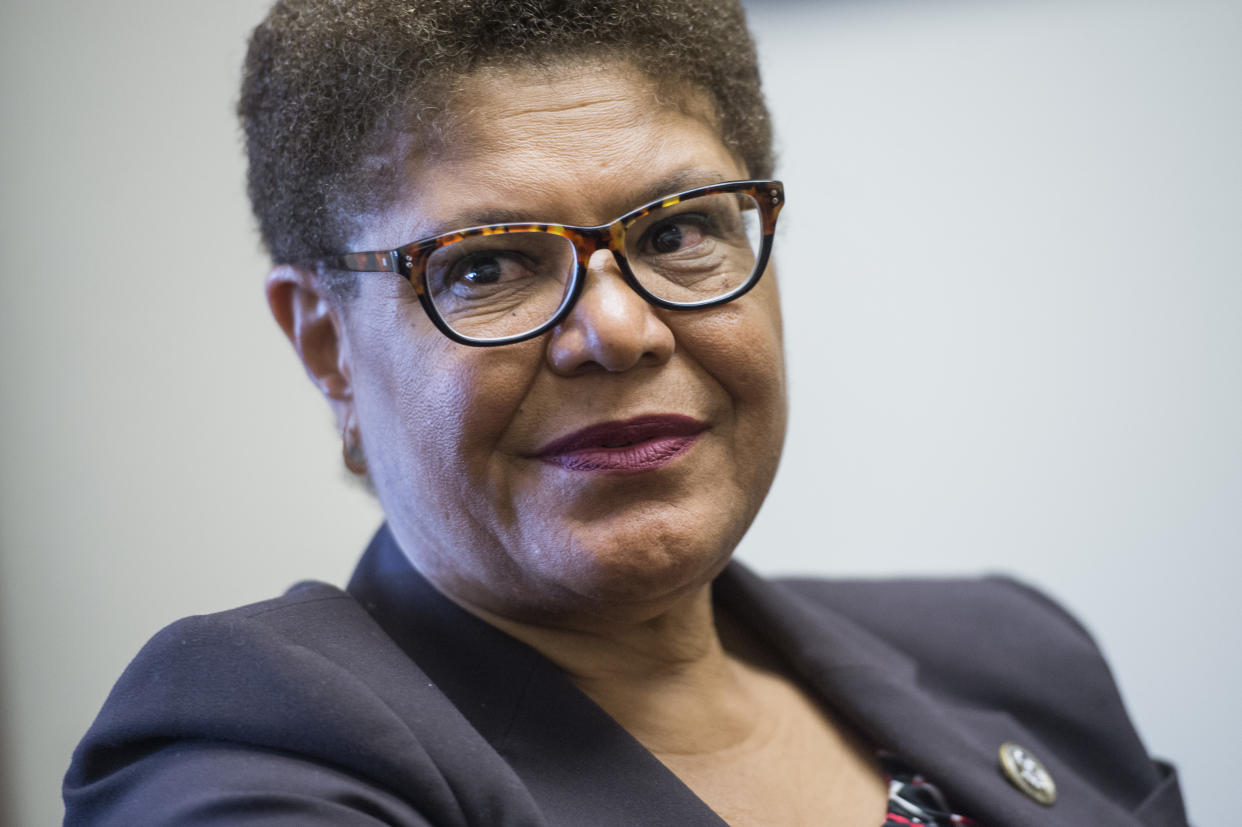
pixel 1013 278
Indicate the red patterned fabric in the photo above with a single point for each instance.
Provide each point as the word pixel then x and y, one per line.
pixel 912 800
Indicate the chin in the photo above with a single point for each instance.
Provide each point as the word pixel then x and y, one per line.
pixel 646 564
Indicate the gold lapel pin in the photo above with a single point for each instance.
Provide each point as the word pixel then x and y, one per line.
pixel 1027 773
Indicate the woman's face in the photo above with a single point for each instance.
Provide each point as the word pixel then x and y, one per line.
pixel 461 442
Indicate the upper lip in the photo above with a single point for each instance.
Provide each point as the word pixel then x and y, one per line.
pixel 622 432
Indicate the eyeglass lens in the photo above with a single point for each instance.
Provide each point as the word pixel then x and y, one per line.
pixel 501 284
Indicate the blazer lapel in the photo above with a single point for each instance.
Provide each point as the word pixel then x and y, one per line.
pixel 583 768
pixel 576 762
pixel 876 688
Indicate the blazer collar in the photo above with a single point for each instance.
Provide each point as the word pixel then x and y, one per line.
pixel 581 767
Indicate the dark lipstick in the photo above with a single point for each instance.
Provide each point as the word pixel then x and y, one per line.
pixel 638 444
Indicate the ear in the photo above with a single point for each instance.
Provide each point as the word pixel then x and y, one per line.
pixel 312 322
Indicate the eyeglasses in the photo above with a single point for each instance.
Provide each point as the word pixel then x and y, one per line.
pixel 505 283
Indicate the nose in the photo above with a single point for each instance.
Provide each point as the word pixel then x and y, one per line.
pixel 611 328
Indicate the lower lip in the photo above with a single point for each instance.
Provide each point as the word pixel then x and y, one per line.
pixel 641 456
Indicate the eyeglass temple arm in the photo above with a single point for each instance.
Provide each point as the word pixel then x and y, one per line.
pixel 383 261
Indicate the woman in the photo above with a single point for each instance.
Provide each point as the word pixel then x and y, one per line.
pixel 569 426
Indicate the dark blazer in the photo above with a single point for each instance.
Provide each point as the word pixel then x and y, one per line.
pixel 388 704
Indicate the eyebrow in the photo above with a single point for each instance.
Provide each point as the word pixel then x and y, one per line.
pixel 680 181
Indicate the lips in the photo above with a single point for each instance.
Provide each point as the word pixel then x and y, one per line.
pixel 640 444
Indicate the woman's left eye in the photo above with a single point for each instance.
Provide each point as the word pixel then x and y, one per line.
pixel 492 268
pixel 487 271
pixel 675 234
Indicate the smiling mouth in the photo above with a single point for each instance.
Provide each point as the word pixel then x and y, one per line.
pixel 640 444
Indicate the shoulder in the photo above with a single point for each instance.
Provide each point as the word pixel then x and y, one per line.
pixel 244 672
pixel 301 694
pixel 952 617
pixel 986 640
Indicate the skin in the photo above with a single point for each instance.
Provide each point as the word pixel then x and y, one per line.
pixel 608 575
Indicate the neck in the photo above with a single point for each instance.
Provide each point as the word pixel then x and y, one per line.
pixel 667 679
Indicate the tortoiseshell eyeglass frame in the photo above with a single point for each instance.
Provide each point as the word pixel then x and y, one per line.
pixel 410 260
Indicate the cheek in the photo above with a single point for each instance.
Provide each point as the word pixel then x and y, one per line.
pixel 741 346
pixel 763 335
pixel 432 412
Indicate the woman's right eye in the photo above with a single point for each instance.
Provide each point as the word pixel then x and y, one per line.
pixel 484 269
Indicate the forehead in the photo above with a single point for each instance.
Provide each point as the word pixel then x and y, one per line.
pixel 578 144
